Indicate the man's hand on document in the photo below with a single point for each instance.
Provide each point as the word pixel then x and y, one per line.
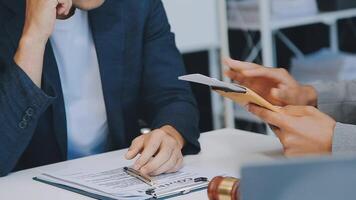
pixel 161 151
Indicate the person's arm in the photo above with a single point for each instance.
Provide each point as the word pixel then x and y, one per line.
pixel 39 24
pixel 21 100
pixel 21 105
pixel 168 100
pixel 170 105
pixel 338 99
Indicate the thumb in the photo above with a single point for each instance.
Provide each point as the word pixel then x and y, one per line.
pixel 135 148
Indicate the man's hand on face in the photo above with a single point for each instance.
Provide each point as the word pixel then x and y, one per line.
pixel 39 24
pixel 275 85
pixel 160 151
pixel 301 129
pixel 41 16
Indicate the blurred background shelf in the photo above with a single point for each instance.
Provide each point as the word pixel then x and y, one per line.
pixel 289 22
pixel 260 18
pixel 272 40
pixel 270 25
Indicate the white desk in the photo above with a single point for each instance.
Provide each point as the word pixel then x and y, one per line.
pixel 226 150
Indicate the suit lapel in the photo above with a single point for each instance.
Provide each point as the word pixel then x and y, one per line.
pixel 50 72
pixel 109 42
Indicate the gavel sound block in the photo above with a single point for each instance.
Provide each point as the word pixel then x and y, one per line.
pixel 224 188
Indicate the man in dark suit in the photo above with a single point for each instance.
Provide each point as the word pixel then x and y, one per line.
pixel 78 86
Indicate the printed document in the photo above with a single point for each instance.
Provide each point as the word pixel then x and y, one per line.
pixel 115 183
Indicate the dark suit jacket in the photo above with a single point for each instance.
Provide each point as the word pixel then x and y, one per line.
pixel 139 66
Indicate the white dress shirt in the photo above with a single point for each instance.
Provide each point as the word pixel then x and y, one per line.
pixel 75 52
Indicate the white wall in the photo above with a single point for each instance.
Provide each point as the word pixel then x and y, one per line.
pixel 194 22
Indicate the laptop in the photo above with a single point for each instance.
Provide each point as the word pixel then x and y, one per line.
pixel 302 179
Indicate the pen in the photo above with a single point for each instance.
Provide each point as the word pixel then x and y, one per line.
pixel 144 178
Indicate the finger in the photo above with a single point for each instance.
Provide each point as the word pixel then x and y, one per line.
pixel 270 117
pixel 60 7
pixel 299 111
pixel 178 165
pixel 237 65
pixel 277 131
pixel 231 74
pixel 60 10
pixel 279 75
pixel 234 76
pixel 135 148
pixel 64 7
pixel 163 156
pixel 53 3
pixel 149 149
pixel 70 5
pixel 169 165
pixel 282 136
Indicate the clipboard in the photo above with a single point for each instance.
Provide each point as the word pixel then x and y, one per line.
pixel 174 184
pixel 238 93
pixel 159 193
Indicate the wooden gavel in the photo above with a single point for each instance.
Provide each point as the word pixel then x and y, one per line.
pixel 224 188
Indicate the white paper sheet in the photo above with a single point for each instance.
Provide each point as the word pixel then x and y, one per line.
pixel 116 183
pixel 212 82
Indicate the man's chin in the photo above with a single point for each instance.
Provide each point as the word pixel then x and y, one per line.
pixel 88 4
